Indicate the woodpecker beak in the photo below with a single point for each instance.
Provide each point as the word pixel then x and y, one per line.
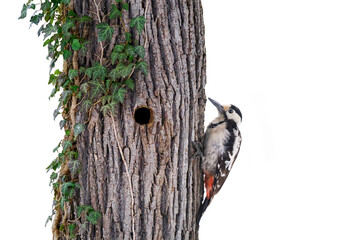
pixel 217 105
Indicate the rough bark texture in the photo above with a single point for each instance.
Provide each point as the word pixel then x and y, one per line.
pixel 167 184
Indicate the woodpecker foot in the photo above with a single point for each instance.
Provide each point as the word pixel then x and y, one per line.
pixel 198 152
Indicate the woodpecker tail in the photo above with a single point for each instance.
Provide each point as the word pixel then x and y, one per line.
pixel 203 208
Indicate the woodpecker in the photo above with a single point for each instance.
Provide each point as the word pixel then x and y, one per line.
pixel 222 142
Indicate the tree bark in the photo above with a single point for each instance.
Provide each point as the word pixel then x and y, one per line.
pixel 167 182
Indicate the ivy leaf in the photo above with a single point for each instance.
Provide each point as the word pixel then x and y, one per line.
pixel 97 71
pixel 36 18
pixel 119 48
pixel 78 128
pixel 85 19
pixel 67 145
pixel 84 87
pixel 76 45
pixel 138 23
pixel 86 105
pixel 53 92
pixel 56 112
pixel 65 1
pixel 72 74
pixel 108 108
pixel 119 95
pixel 130 83
pixel 62 123
pixel 71 229
pixel 114 12
pixel 125 6
pixel 121 71
pixel 24 10
pixel 45 6
pixel 66 54
pixel 65 96
pixel 53 177
pixel 57 147
pixel 98 88
pixel 105 31
pixel 128 37
pixel 93 217
pixel 74 167
pixel 129 50
pixel 117 53
pixel 84 208
pixel 49 219
pixel 140 50
pixel 68 24
pixel 48 30
pixel 143 67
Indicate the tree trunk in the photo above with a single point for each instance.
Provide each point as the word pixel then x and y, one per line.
pixel 166 181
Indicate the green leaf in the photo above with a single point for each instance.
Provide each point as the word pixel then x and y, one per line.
pixel 129 50
pixel 138 23
pixel 24 10
pixel 85 19
pixel 36 18
pixel 78 128
pixel 119 48
pixel 130 83
pixel 62 123
pixel 106 98
pixel 67 54
pixel 105 31
pixel 72 74
pixel 74 167
pixel 114 12
pixel 128 37
pixel 56 112
pixel 71 229
pixel 114 56
pixel 84 208
pixel 125 6
pixel 65 96
pixel 93 217
pixel 121 71
pixel 68 24
pixel 76 45
pixel 53 92
pixel 49 219
pixel 48 30
pixel 84 87
pixel 97 88
pixel 65 1
pixel 97 71
pixel 143 67
pixel 68 189
pixel 108 108
pixel 140 50
pixel 67 145
pixel 117 53
pixel 120 95
pixel 86 105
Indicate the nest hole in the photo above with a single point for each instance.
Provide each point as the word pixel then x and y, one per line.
pixel 143 115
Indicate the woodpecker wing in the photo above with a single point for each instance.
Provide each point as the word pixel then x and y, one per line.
pixel 227 159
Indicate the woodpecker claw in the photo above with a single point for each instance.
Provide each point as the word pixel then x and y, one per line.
pixel 198 152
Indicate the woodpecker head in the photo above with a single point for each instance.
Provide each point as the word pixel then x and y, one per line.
pixel 228 111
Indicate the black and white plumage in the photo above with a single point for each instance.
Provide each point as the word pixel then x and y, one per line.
pixel 221 147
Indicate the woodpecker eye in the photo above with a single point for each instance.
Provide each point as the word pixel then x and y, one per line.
pixel 231 111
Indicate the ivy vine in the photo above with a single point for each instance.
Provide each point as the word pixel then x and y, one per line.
pixel 105 83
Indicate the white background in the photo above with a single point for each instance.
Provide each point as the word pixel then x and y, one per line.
pixel 292 67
